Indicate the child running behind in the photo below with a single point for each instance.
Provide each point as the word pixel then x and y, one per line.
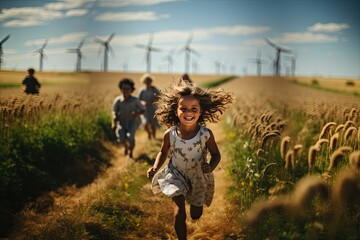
pixel 148 95
pixel 185 108
pixel 126 111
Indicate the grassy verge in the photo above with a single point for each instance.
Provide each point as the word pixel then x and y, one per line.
pixel 316 85
pixel 215 83
pixel 38 156
pixel 280 201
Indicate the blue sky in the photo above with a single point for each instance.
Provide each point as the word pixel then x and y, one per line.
pixel 323 34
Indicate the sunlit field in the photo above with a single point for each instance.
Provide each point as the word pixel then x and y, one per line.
pixel 291 159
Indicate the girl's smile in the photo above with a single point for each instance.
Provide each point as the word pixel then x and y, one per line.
pixel 188 110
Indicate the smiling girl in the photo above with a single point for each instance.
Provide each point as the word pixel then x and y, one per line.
pixel 185 108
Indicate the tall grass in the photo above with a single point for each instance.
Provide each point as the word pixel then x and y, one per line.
pixel 289 155
pixel 54 151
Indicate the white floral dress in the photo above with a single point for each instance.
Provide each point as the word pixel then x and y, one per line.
pixel 183 175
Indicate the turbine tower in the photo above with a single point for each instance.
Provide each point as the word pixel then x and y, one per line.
pixel 79 55
pixel 293 64
pixel 107 48
pixel 41 54
pixel 170 59
pixel 148 49
pixel 1 49
pixel 279 50
pixel 258 62
pixel 188 51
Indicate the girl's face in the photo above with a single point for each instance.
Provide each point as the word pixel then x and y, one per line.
pixel 188 110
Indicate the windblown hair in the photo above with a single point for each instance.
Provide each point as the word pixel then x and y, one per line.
pixel 213 103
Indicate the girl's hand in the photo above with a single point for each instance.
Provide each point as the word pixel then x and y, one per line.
pixel 206 168
pixel 151 172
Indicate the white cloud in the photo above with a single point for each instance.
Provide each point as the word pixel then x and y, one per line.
pixel 239 30
pixel 23 23
pixel 130 16
pixel 124 3
pixel 328 27
pixel 35 16
pixel 306 37
pixel 30 13
pixel 67 4
pixel 66 38
pixel 76 12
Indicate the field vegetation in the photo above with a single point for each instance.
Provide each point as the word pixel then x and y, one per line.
pixel 293 154
pixel 296 161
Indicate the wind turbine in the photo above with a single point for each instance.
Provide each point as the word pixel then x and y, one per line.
pixel 217 67
pixel 258 62
pixel 170 59
pixel 293 63
pixel 41 54
pixel 1 49
pixel 188 51
pixel 279 50
pixel 148 49
pixel 107 47
pixel 79 55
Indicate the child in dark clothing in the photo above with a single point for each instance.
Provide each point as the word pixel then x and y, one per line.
pixel 126 110
pixel 30 84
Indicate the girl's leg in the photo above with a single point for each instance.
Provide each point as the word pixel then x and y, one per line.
pixel 195 212
pixel 180 217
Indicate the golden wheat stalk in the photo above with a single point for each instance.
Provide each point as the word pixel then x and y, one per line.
pixel 335 158
pixel 339 127
pixel 312 156
pixel 267 137
pixel 289 159
pixel 326 129
pixel 348 133
pixel 308 188
pixel 321 142
pixel 284 145
pixel 348 124
pixel 333 141
pixel 354 160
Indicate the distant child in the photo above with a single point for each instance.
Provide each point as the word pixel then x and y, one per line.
pixel 148 96
pixel 185 108
pixel 126 110
pixel 30 84
pixel 186 77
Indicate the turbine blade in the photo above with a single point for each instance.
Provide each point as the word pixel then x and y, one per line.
pixel 81 43
pixel 140 46
pixel 155 49
pixel 5 39
pixel 195 52
pixel 270 43
pixel 111 37
pixel 98 40
pixel 189 40
pixel 45 43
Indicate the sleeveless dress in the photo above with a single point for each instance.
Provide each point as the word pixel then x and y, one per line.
pixel 183 174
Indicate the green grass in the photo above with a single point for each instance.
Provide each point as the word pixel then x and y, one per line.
pixel 47 153
pixel 215 83
pixel 316 85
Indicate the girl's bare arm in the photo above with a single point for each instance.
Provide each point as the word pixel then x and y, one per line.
pixel 215 155
pixel 161 156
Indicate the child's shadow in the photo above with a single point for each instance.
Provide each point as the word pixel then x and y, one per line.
pixel 143 157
